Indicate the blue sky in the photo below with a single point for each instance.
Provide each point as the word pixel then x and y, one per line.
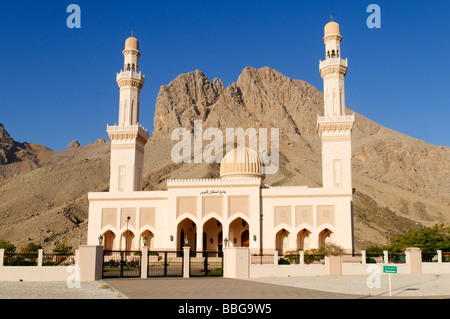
pixel 58 84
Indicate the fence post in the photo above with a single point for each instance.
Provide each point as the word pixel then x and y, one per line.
pixel 2 256
pixel 363 257
pixel 186 261
pixel 275 257
pixel 144 261
pixel 302 257
pixel 385 256
pixel 40 257
pixel 439 253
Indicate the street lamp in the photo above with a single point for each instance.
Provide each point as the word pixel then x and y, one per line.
pixel 126 238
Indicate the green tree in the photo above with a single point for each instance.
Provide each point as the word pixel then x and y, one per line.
pixel 427 239
pixel 30 249
pixel 8 247
pixel 62 248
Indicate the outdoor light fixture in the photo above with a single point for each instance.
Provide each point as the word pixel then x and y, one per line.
pixel 100 239
pixel 254 237
pixel 144 239
pixel 226 242
pixel 186 241
pixel 171 238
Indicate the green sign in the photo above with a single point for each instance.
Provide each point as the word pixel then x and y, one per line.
pixel 390 269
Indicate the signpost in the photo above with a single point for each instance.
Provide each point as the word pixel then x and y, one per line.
pixel 390 270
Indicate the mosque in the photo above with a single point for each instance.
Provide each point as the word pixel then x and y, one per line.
pixel 237 209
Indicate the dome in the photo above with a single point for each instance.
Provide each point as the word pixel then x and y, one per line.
pixel 332 28
pixel 241 162
pixel 132 44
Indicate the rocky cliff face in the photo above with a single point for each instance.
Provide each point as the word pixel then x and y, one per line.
pixel 399 180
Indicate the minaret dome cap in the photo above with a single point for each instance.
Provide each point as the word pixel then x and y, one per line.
pixel 132 44
pixel 332 28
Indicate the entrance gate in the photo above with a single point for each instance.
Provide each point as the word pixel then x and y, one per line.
pixel 121 264
pixel 165 264
pixel 206 263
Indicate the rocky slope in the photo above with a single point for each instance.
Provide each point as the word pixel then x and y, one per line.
pixel 399 180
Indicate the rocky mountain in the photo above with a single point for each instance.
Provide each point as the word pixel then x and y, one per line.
pixel 400 182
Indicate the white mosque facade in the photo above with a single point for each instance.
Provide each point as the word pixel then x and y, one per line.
pixel 237 209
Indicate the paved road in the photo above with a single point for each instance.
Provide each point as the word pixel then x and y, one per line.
pixel 214 288
pixel 342 287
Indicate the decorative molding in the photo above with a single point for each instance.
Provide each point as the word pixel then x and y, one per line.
pixel 115 199
pixel 333 70
pixel 305 195
pixel 130 82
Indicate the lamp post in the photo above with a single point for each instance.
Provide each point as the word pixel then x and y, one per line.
pixel 126 238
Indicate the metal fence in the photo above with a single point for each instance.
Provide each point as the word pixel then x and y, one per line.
pixel 374 258
pixel 20 259
pixel 262 259
pixel 446 257
pixel 206 263
pixel 397 258
pixel 429 257
pixel 58 260
pixel 121 264
pixel 165 264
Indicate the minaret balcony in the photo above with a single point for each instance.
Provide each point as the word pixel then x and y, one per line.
pixel 133 129
pixel 333 62
pixel 130 75
pixel 336 119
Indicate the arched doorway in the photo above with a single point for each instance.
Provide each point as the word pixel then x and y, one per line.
pixel 150 236
pixel 303 239
pixel 211 231
pixel 282 241
pixel 108 240
pixel 127 241
pixel 326 236
pixel 239 232
pixel 187 229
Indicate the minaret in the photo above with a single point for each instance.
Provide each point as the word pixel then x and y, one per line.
pixel 335 126
pixel 128 138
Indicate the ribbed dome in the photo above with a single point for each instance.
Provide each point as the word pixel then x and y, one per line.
pixel 132 44
pixel 241 162
pixel 332 28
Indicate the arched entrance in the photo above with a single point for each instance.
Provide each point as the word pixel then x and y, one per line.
pixel 127 241
pixel 187 229
pixel 212 235
pixel 108 240
pixel 150 236
pixel 303 239
pixel 326 236
pixel 239 233
pixel 282 241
